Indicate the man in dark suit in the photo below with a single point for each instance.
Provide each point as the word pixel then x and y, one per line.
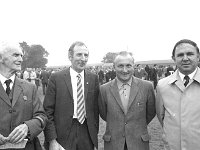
pixel 44 76
pixel 101 76
pixel 21 113
pixel 71 104
pixel 127 104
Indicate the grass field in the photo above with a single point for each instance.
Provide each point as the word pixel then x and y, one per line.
pixel 154 130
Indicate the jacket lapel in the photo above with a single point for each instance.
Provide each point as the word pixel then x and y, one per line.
pixel 86 84
pixel 133 91
pixel 17 90
pixel 67 79
pixel 115 92
pixel 4 96
pixel 176 79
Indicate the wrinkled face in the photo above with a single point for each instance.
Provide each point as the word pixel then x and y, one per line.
pixel 79 58
pixel 11 60
pixel 124 67
pixel 186 58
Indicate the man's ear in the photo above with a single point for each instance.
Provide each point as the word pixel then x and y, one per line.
pixel 69 56
pixel 1 58
pixel 173 58
pixel 198 56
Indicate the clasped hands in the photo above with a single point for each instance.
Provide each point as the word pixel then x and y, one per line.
pixel 16 136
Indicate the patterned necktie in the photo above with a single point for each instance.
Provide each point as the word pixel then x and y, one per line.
pixel 8 90
pixel 80 101
pixel 125 98
pixel 187 79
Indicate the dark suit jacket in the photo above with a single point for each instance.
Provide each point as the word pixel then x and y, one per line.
pixel 58 104
pixel 44 76
pixel 132 126
pixel 26 108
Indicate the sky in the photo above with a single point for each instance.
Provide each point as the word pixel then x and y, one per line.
pixel 147 28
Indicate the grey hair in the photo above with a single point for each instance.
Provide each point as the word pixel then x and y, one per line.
pixel 5 45
pixel 123 53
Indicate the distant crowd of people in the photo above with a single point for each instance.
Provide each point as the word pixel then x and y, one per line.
pixel 126 96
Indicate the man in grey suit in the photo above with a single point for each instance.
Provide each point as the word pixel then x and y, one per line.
pixel 21 111
pixel 71 104
pixel 127 104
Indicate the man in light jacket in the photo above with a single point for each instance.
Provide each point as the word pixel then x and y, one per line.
pixel 178 99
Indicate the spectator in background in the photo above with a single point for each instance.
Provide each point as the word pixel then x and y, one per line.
pixel 153 75
pixel 147 69
pixel 32 75
pixel 177 102
pixel 139 72
pixel 101 76
pixel 44 76
pixel 108 75
pixel 26 74
pixel 112 74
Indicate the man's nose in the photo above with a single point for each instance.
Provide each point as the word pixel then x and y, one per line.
pixel 125 69
pixel 20 58
pixel 185 57
pixel 83 57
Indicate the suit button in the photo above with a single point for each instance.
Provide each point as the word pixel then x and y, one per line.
pixel 123 135
pixel 125 123
pixel 10 111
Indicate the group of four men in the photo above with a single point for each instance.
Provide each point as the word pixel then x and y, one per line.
pixel 74 100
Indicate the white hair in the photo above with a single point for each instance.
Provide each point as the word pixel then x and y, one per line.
pixel 6 45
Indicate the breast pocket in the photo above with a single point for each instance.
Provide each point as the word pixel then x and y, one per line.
pixel 140 104
pixel 28 108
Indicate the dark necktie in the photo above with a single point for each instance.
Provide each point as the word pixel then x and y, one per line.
pixel 187 79
pixel 8 90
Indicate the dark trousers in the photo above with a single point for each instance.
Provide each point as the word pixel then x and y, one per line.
pixel 44 86
pixel 125 146
pixel 79 138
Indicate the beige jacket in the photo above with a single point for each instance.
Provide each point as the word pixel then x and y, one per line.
pixel 178 110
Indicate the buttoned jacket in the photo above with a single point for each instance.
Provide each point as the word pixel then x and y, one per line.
pixel 178 110
pixel 59 106
pixel 131 126
pixel 26 107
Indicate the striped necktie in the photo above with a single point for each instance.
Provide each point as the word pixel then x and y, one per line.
pixel 80 101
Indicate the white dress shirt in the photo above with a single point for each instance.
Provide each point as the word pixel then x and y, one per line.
pixel 3 79
pixel 190 75
pixel 74 80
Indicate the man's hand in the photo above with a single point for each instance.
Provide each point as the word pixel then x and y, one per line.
pixel 54 145
pixel 3 139
pixel 18 134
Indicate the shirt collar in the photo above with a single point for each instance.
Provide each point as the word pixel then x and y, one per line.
pixel 3 79
pixel 74 73
pixel 119 83
pixel 190 75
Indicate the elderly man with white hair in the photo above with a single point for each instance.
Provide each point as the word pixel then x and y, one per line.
pixel 22 115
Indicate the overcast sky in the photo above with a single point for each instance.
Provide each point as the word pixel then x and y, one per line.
pixel 147 28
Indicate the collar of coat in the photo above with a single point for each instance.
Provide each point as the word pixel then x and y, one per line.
pixel 175 76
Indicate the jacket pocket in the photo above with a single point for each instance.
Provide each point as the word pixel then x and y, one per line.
pixel 107 138
pixel 145 137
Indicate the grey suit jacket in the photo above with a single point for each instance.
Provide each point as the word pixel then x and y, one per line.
pixel 26 108
pixel 130 127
